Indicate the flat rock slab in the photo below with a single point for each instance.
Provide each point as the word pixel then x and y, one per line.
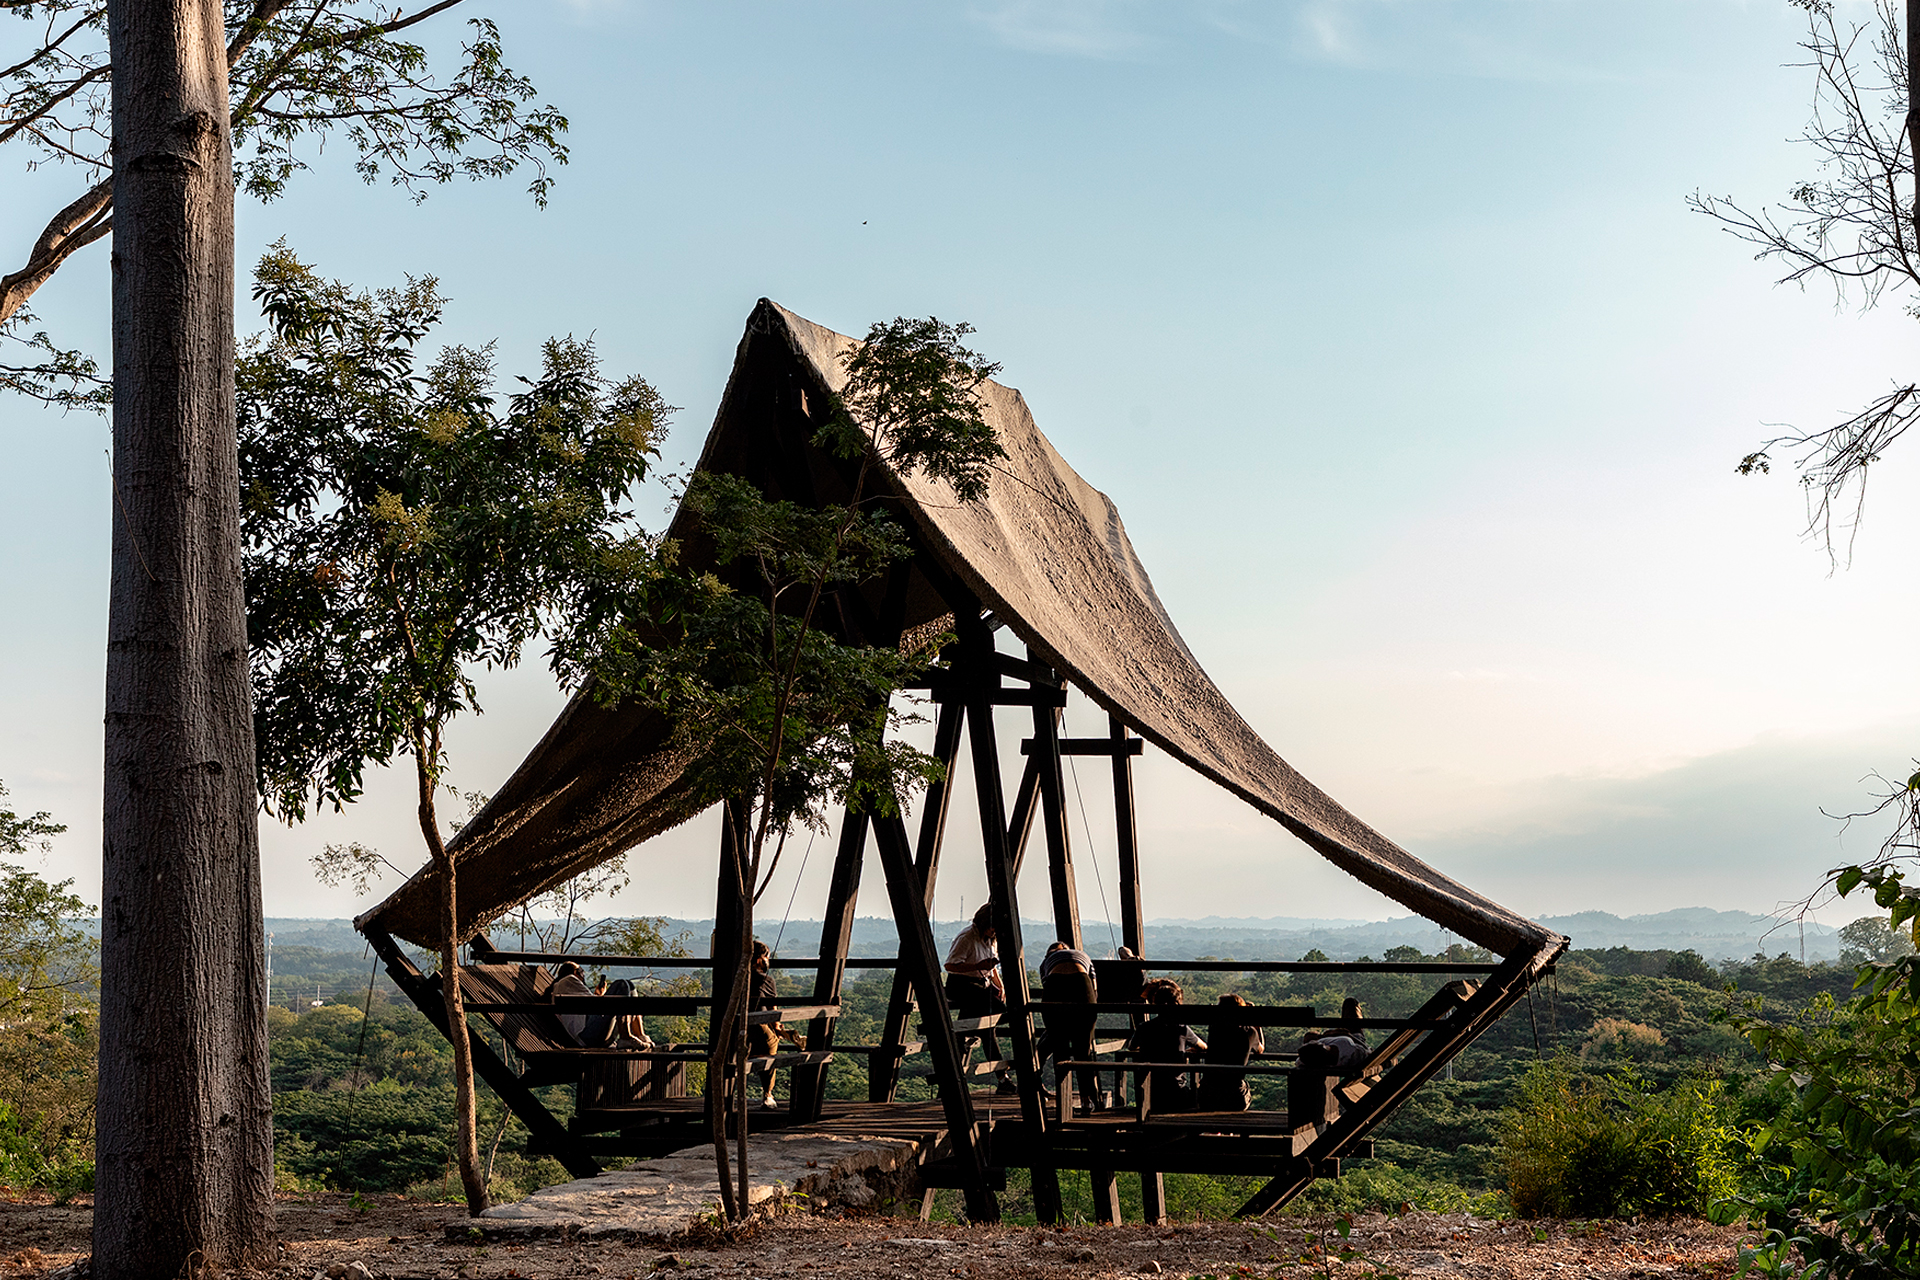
pixel 661 1198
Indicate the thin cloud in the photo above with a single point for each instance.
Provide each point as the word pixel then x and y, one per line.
pixel 1096 29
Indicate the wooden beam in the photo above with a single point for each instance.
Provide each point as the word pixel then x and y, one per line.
pixel 548 1134
pixel 1005 905
pixel 1420 1064
pixel 1045 760
pixel 921 963
pixel 1091 746
pixel 1020 822
pixel 809 1087
pixel 1127 831
pixel 883 1071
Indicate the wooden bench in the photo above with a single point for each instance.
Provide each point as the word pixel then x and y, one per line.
pixel 518 1001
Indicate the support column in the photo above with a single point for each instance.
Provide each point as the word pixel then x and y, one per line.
pixel 1128 833
pixel 1045 759
pixel 980 682
pixel 836 932
pixel 883 1069
pixel 1106 1196
pixel 1153 1186
pixel 921 962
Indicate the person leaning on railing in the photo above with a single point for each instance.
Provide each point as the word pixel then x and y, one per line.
pixel 1234 1044
pixel 1066 977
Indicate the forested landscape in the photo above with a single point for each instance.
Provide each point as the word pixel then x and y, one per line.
pixel 1622 1041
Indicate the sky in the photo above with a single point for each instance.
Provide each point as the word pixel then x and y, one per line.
pixel 1384 323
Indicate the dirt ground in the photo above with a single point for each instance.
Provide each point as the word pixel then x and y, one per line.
pixel 398 1239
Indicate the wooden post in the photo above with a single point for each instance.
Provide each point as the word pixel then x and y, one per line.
pixel 1046 761
pixel 1128 834
pixel 921 963
pixel 980 681
pixel 1153 1186
pixel 1106 1196
pixel 883 1069
pixel 809 1090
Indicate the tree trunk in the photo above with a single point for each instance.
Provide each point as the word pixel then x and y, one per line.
pixel 466 1134
pixel 184 1153
pixel 1913 110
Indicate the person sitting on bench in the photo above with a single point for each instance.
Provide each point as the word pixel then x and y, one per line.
pixel 1166 1041
pixel 763 1041
pixel 1233 1045
pixel 973 984
pixel 1336 1051
pixel 598 1030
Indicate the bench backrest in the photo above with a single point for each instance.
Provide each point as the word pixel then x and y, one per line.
pixel 527 1034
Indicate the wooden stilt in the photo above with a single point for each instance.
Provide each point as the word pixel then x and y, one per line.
pixel 883 1069
pixel 921 962
pixel 1153 1198
pixel 809 1089
pixel 1106 1196
pixel 1045 760
pixel 548 1134
pixel 980 682
pixel 1128 833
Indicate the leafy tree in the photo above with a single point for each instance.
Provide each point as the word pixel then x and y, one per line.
pixel 160 108
pixel 298 71
pixel 20 835
pixel 48 1022
pixel 402 532
pixel 1691 966
pixel 782 718
pixel 1834 1172
pixel 1871 940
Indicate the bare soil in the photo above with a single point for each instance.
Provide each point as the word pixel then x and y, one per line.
pixel 400 1239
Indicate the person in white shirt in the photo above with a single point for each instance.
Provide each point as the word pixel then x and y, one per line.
pixel 571 983
pixel 974 988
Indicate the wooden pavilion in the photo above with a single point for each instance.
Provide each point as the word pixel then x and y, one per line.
pixel 1044 558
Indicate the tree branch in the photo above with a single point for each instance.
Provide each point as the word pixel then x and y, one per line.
pixel 72 229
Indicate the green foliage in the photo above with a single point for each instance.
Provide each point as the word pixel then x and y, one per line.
pixel 1577 1146
pixel 1871 940
pixel 1833 1168
pixel 49 1025
pixel 20 835
pixel 1382 1188
pixel 399 528
pixel 299 72
pixel 913 400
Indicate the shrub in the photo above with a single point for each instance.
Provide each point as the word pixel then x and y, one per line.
pixel 1604 1147
pixel 1833 1177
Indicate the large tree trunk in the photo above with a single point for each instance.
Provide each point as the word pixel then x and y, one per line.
pixel 185 1138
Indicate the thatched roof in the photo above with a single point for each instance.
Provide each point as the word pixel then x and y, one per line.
pixel 1045 552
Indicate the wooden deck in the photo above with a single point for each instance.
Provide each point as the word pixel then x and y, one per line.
pixel 1249 1142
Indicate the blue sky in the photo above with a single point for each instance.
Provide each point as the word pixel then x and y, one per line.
pixel 1384 323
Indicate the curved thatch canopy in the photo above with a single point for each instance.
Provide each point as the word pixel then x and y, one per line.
pixel 1046 552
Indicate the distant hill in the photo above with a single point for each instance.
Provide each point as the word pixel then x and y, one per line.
pixel 321 945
